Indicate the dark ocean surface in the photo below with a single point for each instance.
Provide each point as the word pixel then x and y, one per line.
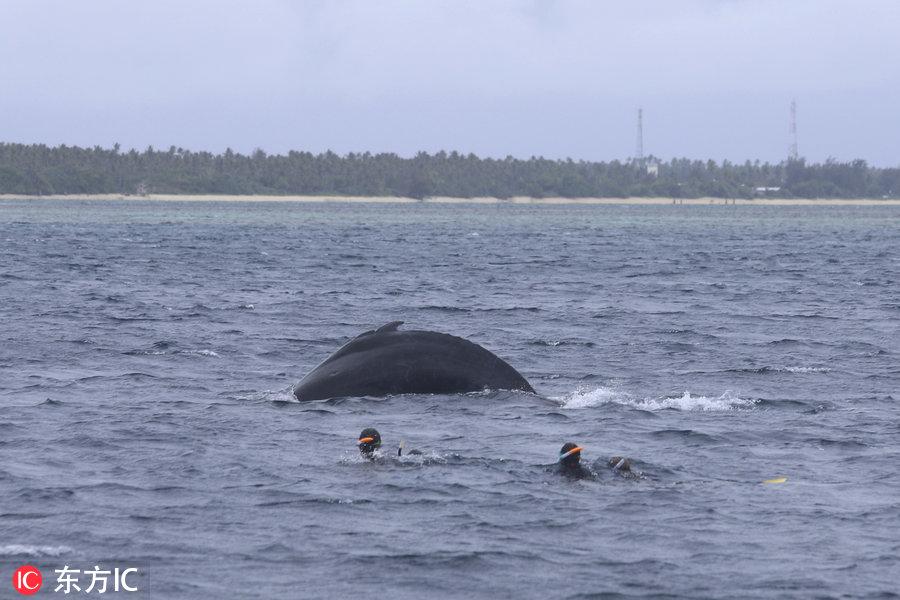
pixel 147 352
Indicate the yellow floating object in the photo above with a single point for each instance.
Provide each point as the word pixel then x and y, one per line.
pixel 776 480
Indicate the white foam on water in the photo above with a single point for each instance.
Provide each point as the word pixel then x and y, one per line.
pixel 586 398
pixel 604 395
pixel 33 551
pixel 804 369
pixel 429 457
pixel 686 401
pixel 200 352
pixel 282 395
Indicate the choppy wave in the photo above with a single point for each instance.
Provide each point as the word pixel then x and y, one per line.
pixel 200 352
pixel 164 352
pixel 282 395
pixel 33 551
pixel 587 398
pixel 555 343
pixel 604 395
pixel 781 369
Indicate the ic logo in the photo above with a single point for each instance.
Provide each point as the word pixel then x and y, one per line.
pixel 27 580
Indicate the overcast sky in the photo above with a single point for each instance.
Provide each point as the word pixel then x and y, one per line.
pixel 555 78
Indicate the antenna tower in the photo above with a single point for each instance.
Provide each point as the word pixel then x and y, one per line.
pixel 639 151
pixel 793 152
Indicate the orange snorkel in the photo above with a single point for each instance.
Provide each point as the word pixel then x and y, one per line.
pixel 369 441
pixel 565 455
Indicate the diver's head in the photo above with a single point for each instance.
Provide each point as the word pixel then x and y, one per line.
pixel 620 464
pixel 369 441
pixel 570 455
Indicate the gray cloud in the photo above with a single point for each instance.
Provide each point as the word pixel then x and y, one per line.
pixel 556 78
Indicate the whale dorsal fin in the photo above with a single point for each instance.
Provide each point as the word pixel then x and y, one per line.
pixel 392 326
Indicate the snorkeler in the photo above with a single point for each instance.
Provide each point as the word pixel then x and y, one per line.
pixel 369 441
pixel 569 463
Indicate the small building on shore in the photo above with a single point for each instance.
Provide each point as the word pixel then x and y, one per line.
pixel 766 190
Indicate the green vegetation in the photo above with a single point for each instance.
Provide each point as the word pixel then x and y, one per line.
pixel 39 169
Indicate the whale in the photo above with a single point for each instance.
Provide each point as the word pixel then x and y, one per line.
pixel 387 361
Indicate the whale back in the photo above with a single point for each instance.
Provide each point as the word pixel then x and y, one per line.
pixel 387 361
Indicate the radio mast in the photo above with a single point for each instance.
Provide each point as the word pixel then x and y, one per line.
pixel 793 152
pixel 639 151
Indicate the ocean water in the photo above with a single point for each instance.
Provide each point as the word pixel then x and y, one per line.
pixel 148 350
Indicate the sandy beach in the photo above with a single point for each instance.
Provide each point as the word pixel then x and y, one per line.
pixel 449 200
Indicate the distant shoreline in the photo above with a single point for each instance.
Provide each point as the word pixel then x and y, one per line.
pixel 519 200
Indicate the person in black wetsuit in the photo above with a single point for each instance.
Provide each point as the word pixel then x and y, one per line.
pixel 569 463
